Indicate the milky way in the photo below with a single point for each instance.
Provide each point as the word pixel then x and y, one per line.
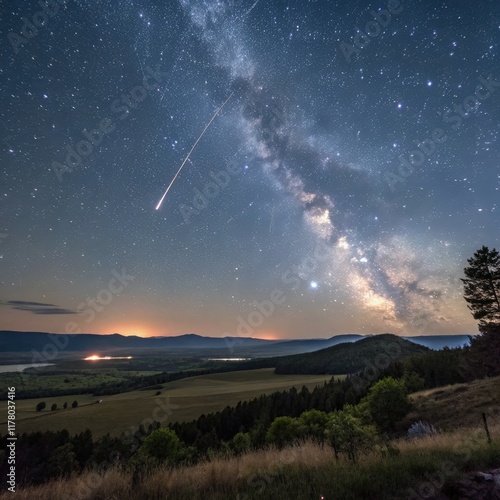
pixel 368 131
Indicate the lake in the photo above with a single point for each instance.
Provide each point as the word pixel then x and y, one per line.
pixel 20 368
pixel 229 359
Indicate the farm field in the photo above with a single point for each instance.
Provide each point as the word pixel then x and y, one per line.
pixel 184 399
pixel 77 380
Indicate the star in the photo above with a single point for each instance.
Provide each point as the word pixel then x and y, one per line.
pixel 311 176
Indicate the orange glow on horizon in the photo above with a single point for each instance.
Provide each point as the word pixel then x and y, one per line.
pixel 267 336
pixel 95 357
pixel 145 331
pixel 133 330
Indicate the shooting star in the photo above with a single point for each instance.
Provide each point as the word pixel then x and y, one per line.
pixel 251 8
pixel 192 149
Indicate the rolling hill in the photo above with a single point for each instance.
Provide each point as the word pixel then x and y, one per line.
pixel 350 357
pixel 440 341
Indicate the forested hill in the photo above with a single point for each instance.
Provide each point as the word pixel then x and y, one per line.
pixel 351 357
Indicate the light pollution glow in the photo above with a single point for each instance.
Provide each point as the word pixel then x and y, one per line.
pixel 95 357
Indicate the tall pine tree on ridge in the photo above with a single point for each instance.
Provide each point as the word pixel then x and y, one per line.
pixel 482 286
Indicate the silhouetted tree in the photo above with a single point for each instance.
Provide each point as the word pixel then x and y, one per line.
pixel 74 404
pixel 482 286
pixel 83 447
pixel 61 462
pixel 40 406
pixel 482 357
pixel 53 407
pixel 482 292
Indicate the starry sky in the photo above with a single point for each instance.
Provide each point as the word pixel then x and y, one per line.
pixel 349 175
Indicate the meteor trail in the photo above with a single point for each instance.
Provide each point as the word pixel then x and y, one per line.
pixel 192 149
pixel 251 8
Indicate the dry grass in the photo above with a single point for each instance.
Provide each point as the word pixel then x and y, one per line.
pixel 221 475
pixel 458 405
pixel 451 440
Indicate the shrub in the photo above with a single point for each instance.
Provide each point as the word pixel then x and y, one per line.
pixel 162 445
pixel 313 424
pixel 347 434
pixel 413 381
pixel 40 406
pixel 74 404
pixel 61 462
pixel 53 407
pixel 283 431
pixel 388 403
pixel 241 442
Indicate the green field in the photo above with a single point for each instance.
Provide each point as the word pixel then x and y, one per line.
pixel 48 378
pixel 189 398
pixel 79 375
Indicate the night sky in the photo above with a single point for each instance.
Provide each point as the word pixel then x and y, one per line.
pixel 356 173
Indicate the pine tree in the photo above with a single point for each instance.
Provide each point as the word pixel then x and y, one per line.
pixel 482 286
pixel 482 358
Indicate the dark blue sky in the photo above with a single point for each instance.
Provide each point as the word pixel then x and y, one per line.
pixel 357 172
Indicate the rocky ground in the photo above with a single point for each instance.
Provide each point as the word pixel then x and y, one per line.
pixel 473 486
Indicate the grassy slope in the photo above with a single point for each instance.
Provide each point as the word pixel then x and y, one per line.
pixel 189 399
pixel 458 405
pixel 76 379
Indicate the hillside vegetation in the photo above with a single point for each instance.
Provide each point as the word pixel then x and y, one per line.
pixel 457 405
pixel 350 357
pixel 303 471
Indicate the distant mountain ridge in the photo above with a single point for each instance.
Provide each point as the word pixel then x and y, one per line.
pixel 11 341
pixel 440 341
pixel 14 341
